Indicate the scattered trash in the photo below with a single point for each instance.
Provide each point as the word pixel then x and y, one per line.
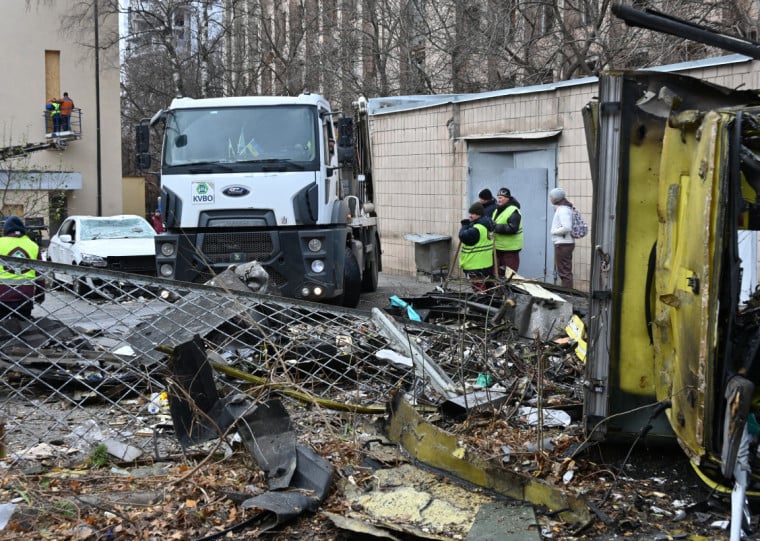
pixel 548 417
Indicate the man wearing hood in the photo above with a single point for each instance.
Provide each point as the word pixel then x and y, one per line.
pixel 20 286
pixel 476 254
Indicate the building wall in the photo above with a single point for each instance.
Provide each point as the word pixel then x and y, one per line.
pixel 420 158
pixel 133 196
pixel 28 35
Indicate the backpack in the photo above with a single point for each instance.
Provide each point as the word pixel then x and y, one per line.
pixel 580 228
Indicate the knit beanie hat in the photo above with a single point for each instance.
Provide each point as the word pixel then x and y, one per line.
pixel 13 224
pixel 485 194
pixel 504 192
pixel 557 194
pixel 477 208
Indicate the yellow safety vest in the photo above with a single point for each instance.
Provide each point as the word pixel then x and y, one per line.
pixel 507 243
pixel 480 255
pixel 21 247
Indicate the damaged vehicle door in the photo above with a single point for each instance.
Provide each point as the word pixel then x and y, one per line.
pixel 676 176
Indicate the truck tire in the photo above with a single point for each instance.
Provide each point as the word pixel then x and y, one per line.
pixel 352 281
pixel 369 279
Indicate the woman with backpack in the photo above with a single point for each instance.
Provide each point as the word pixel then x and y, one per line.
pixel 562 237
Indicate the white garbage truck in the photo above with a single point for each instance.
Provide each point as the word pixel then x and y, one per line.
pixel 285 181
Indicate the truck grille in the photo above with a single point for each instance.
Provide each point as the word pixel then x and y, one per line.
pixel 217 247
pixel 142 264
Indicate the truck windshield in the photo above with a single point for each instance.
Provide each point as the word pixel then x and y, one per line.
pixel 248 136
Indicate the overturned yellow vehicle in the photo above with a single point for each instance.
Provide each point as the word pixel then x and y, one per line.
pixel 676 179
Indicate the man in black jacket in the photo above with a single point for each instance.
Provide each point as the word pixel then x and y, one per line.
pixel 488 201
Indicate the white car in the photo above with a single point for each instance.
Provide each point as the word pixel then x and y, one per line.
pixel 122 243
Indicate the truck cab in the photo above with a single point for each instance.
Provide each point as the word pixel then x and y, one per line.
pixel 258 178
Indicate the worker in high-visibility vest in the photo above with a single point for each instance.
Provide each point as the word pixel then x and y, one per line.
pixel 476 251
pixel 54 107
pixel 20 286
pixel 508 231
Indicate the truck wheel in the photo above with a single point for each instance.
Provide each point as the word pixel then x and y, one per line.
pixel 352 279
pixel 369 279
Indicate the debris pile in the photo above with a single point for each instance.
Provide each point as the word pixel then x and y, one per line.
pixel 447 425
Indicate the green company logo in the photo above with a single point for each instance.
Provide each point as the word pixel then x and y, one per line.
pixel 204 193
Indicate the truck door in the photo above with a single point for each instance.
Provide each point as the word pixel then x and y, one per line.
pixel 665 281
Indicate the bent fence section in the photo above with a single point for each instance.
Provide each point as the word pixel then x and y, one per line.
pixel 90 367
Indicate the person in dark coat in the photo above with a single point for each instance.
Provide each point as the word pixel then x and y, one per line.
pixel 489 202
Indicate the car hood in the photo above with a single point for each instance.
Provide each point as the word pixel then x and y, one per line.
pixel 118 247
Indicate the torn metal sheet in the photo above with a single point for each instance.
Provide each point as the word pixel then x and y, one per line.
pixel 425 367
pixel 270 428
pixel 200 415
pixel 458 406
pixel 539 313
pixel 307 490
pixel 440 449
pixel 298 478
pixel 503 521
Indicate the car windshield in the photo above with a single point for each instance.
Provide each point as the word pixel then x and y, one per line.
pixel 117 228
pixel 243 135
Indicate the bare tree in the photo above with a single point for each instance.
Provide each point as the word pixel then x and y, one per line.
pixel 347 48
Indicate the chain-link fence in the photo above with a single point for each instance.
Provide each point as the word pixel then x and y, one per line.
pixel 90 366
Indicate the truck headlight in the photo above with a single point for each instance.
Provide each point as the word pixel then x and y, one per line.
pixel 317 266
pixel 167 269
pixel 315 245
pixel 167 249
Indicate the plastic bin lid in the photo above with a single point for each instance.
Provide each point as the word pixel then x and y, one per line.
pixel 426 238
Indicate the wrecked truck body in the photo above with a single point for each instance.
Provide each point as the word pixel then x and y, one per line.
pixel 675 172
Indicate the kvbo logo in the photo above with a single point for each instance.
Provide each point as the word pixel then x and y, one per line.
pixel 203 192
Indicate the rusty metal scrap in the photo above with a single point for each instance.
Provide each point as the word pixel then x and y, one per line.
pixel 443 450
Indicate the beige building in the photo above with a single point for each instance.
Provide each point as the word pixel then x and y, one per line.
pixel 432 155
pixel 45 55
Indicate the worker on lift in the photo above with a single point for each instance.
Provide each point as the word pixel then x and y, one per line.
pixel 54 106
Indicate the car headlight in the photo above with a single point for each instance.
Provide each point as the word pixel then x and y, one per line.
pixel 167 249
pixel 317 266
pixel 92 260
pixel 315 245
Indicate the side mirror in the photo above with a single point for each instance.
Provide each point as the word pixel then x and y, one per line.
pixel 142 146
pixel 66 238
pixel 142 162
pixel 346 141
pixel 142 138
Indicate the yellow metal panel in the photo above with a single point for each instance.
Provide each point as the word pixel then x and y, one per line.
pixel 686 274
pixel 635 372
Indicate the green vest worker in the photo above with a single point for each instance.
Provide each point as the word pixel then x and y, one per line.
pixel 19 284
pixel 508 231
pixel 476 255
